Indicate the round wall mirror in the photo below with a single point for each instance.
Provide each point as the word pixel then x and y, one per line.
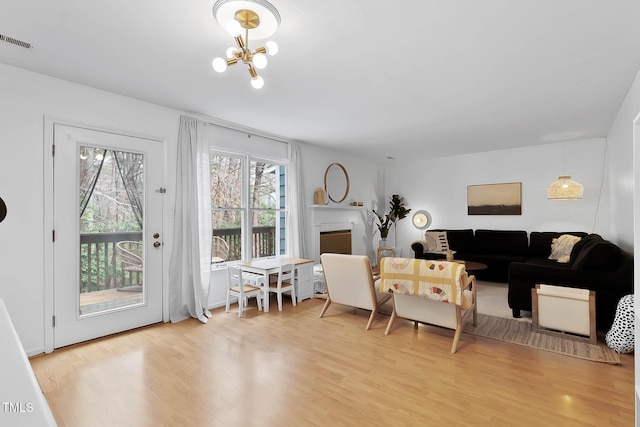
pixel 336 182
pixel 3 210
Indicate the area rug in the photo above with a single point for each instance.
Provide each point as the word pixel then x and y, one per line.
pixel 515 332
pixel 492 300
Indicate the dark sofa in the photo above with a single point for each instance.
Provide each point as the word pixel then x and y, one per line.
pixel 594 264
pixel 522 260
pixel 495 248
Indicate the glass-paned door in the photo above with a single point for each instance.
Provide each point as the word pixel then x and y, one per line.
pixel 108 220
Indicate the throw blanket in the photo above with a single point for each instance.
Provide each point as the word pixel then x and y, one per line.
pixel 435 280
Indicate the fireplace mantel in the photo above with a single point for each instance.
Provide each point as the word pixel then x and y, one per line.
pixel 331 218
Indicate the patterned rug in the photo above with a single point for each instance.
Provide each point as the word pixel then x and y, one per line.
pixel 518 332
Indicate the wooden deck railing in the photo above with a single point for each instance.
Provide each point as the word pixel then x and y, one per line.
pixel 263 241
pixel 100 266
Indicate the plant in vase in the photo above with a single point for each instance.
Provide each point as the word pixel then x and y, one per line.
pixel 397 211
pixel 384 224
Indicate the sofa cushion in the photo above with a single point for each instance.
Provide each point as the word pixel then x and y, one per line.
pixel 598 256
pixel 561 247
pixel 546 263
pixel 540 242
pixel 502 242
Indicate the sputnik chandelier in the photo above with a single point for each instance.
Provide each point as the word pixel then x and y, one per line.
pixel 259 19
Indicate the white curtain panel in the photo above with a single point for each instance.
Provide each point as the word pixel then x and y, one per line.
pixel 190 265
pixel 297 206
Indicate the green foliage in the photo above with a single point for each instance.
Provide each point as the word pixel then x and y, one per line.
pixel 397 211
pixel 384 224
pixel 103 272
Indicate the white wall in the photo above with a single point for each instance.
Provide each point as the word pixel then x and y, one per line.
pixel 620 147
pixel 624 136
pixel 440 187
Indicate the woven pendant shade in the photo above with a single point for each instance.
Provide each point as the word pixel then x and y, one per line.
pixel 564 188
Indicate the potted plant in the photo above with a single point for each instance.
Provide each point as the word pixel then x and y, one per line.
pixel 397 211
pixel 384 224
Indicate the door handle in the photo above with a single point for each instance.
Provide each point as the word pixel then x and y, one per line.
pixel 157 244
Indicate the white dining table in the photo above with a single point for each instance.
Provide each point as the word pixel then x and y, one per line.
pixel 268 266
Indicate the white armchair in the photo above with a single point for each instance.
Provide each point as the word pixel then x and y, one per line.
pixel 349 281
pixel 435 292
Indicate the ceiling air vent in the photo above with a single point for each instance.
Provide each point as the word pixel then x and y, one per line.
pixel 15 41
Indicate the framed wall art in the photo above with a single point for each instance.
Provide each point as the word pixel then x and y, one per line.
pixel 495 199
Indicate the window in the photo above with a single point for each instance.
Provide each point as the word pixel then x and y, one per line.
pixel 248 205
pixel 226 202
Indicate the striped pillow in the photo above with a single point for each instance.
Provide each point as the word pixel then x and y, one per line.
pixel 436 241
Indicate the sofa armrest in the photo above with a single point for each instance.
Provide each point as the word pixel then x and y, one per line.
pixel 420 251
pixel 419 246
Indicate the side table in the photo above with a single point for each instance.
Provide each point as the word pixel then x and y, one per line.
pixel 472 266
pixel 376 268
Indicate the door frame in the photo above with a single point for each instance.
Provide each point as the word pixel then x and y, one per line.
pixel 48 223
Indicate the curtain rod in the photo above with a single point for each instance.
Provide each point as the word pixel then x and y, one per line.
pixel 241 128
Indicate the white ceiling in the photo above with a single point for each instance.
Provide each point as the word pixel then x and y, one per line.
pixel 370 77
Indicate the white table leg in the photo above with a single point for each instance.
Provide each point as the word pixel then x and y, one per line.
pixel 265 307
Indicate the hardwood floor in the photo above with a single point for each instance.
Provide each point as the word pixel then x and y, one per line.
pixel 291 368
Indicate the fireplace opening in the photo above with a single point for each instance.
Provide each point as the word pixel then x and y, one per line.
pixel 337 242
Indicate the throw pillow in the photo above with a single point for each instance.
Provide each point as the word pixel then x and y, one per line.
pixel 621 335
pixel 561 247
pixel 436 241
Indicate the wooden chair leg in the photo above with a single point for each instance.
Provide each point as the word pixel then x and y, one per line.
pixel 456 337
pixel 475 315
pixel 373 314
pixel 327 303
pixel 391 320
pixel 258 300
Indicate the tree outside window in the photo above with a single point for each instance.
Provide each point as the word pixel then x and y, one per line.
pixel 244 187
